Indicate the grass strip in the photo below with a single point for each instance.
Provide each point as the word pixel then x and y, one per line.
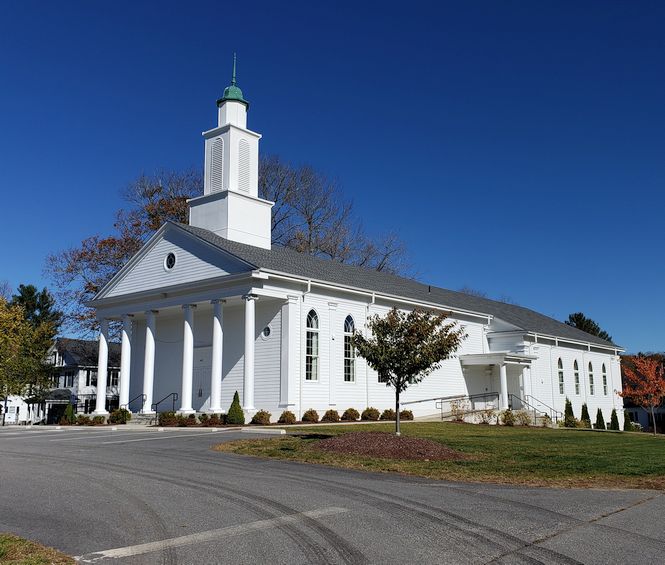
pixel 498 454
pixel 18 551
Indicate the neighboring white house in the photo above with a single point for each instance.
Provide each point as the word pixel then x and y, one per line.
pixel 212 308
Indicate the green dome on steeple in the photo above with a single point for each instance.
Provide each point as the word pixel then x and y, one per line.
pixel 233 92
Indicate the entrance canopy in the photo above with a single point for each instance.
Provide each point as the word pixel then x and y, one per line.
pixel 496 358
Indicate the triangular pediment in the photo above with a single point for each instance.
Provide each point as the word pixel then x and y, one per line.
pixel 195 261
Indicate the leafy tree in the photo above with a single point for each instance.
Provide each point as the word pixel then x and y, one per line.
pixel 235 415
pixel 644 382
pixel 23 350
pixel 581 322
pixel 406 347
pixel 310 216
pixel 38 306
pixel 569 420
pixel 600 421
pixel 585 419
pixel 614 420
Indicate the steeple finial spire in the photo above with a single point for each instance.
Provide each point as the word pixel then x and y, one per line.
pixel 233 92
pixel 233 78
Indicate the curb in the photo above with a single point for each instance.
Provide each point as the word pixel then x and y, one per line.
pixel 274 431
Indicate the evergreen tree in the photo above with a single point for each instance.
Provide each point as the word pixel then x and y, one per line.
pixel 581 322
pixel 235 414
pixel 569 420
pixel 600 421
pixel 38 306
pixel 614 420
pixel 627 422
pixel 585 419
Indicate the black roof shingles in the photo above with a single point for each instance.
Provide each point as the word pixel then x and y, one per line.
pixel 84 353
pixel 302 265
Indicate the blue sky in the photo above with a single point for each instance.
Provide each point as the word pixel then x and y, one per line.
pixel 517 147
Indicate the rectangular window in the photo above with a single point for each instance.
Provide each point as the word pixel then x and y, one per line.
pixel 349 360
pixel 312 356
pixel 113 378
pixel 561 384
pixel 91 377
pixel 591 384
pixel 70 378
pixel 604 384
pixel 577 383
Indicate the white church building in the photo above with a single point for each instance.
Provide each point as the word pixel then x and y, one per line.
pixel 211 308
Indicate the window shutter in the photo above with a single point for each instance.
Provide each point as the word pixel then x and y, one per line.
pixel 243 166
pixel 217 166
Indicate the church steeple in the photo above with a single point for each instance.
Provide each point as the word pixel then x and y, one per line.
pixel 233 92
pixel 230 205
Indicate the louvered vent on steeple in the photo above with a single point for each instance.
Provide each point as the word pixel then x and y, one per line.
pixel 243 166
pixel 217 165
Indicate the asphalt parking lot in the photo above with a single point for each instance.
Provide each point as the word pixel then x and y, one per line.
pixel 145 496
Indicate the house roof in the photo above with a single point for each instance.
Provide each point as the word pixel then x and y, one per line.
pixel 84 353
pixel 302 265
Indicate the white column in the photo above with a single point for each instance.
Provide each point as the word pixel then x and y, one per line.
pixel 187 359
pixel 526 379
pixel 102 367
pixel 217 353
pixel 290 360
pixel 250 338
pixel 125 360
pixel 503 378
pixel 149 362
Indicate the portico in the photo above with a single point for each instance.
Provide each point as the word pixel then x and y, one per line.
pixel 147 333
pixel 506 364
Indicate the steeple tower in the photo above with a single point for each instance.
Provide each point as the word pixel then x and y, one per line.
pixel 230 205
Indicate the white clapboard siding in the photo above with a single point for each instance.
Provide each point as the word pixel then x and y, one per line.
pixel 194 262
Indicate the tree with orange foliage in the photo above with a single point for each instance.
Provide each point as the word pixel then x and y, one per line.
pixel 645 383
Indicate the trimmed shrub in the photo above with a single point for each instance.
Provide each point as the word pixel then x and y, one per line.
pixel 370 415
pixel 166 419
pixel 214 420
pixel 311 416
pixel 585 419
pixel 614 420
pixel 600 421
pixel 523 417
pixel 388 414
pixel 287 417
pixel 98 420
pixel 180 420
pixel 458 409
pixel 569 420
pixel 406 415
pixel 203 418
pixel 331 416
pixel 261 418
pixel 83 420
pixel 120 416
pixel 235 415
pixel 507 417
pixel 546 420
pixel 627 422
pixel 68 418
pixel 350 415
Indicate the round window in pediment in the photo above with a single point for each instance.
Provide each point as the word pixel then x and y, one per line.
pixel 169 261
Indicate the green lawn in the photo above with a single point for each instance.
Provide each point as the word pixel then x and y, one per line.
pixel 518 455
pixel 18 551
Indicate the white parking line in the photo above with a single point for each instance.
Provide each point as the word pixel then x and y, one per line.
pixel 95 435
pixel 210 535
pixel 35 434
pixel 161 436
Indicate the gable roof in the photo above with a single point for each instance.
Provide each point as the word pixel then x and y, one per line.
pixel 84 353
pixel 307 266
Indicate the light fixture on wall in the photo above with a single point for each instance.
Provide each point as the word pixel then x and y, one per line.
pixel 200 392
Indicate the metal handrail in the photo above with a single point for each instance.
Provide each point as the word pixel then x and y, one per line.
pixel 455 397
pixel 141 396
pixel 523 402
pixel 554 413
pixel 172 394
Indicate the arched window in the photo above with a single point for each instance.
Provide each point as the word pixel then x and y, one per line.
pixel 217 165
pixel 576 374
pixel 591 388
pixel 243 165
pixel 312 347
pixel 349 351
pixel 604 380
pixel 562 389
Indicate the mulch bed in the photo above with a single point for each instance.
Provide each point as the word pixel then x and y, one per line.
pixel 389 446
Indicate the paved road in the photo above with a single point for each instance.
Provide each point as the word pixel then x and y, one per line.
pixel 164 497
